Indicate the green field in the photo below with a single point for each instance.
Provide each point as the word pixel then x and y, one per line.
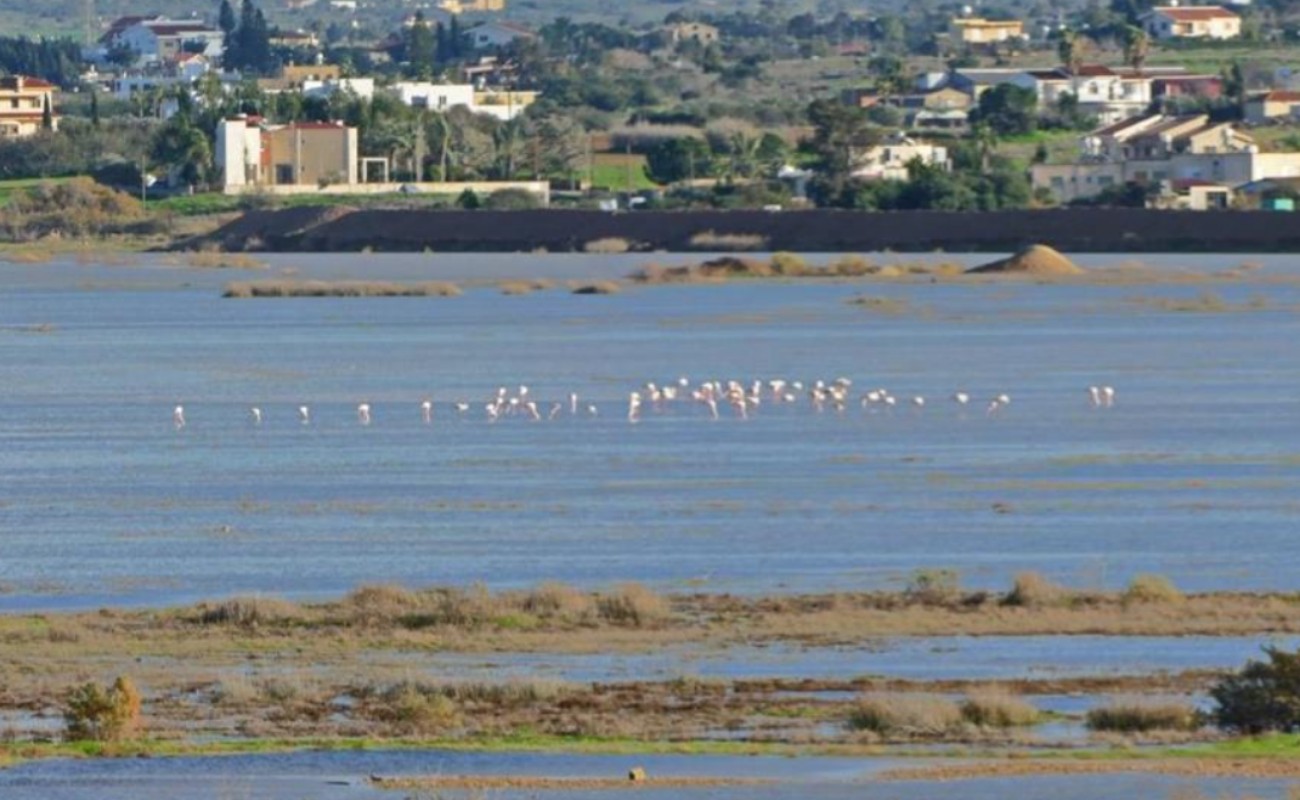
pixel 620 172
pixel 7 188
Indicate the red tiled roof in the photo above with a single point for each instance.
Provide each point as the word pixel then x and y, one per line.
pixel 1194 13
pixel 1280 96
pixel 1093 71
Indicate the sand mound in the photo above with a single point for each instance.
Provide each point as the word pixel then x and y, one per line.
pixel 1036 259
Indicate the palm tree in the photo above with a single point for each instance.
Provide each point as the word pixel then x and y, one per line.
pixel 986 142
pixel 442 136
pixel 1137 45
pixel 1070 51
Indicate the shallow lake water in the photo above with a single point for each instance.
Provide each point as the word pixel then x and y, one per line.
pixel 344 776
pixel 1195 473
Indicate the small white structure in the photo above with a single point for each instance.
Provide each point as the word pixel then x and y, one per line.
pixel 888 161
pixel 363 88
pixel 497 34
pixel 441 97
pixel 1191 22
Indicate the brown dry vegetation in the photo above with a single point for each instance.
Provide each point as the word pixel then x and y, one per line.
pixel 1185 767
pixel 292 288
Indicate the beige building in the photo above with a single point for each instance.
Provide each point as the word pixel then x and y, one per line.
pixel 1275 105
pixel 888 161
pixel 974 30
pixel 1188 153
pixel 292 77
pixel 1191 22
pixel 251 153
pixel 22 106
pixel 471 6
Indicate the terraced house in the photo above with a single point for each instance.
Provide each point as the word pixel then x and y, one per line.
pixel 1166 154
pixel 23 105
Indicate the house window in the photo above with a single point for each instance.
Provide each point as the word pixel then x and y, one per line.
pixel 284 173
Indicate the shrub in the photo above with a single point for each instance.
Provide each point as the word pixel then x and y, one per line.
pixel 598 287
pixel 93 714
pixel 248 612
pixel 632 604
pixel 1147 588
pixel 851 265
pixel 554 599
pixel 512 200
pixel 1140 717
pixel 712 240
pixel 788 264
pixel 993 708
pixel 380 602
pixel 933 586
pixel 1264 696
pixel 1031 589
pixel 906 715
pixel 418 710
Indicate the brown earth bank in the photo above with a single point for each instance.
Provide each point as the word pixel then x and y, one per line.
pixel 1183 767
pixel 318 229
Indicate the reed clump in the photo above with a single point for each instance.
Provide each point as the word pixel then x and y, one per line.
pixel 998 708
pixel 907 715
pixel 249 612
pixel 103 715
pixel 415 709
pixel 632 604
pixel 712 240
pixel 289 288
pixel 851 266
pixel 609 245
pixel 1142 717
pixel 211 259
pixel 515 288
pixel 1152 588
pixel 1033 590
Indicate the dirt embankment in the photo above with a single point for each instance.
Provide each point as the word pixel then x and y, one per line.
pixel 1075 230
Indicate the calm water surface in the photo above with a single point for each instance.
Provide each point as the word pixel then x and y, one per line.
pixel 1195 473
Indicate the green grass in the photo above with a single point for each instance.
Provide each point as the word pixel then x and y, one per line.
pixel 7 188
pixel 615 170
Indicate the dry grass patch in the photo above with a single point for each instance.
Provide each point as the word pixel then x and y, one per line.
pixel 288 288
pixel 880 305
pixel 610 245
pixel 524 287
pixel 1139 716
pixel 1033 590
pixel 414 709
pixel 249 612
pixel 997 708
pixel 712 240
pixel 633 604
pixel 209 259
pixel 1150 588
pixel 907 715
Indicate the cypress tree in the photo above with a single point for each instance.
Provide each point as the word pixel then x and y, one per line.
pixel 47 116
pixel 94 108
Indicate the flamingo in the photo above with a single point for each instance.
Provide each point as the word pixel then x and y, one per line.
pixel 304 414
pixel 555 411
pixel 256 414
pixel 178 417
pixel 426 411
pixel 363 413
pixel 633 406
pixel 918 401
pixel 961 398
pixel 532 410
pixel 1108 395
pixel 573 403
pixel 592 410
pixel 462 407
pixel 1094 396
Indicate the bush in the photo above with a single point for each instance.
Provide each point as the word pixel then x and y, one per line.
pixel 632 604
pixel 1139 717
pixel 78 207
pixel 1264 696
pixel 1032 589
pixel 417 710
pixel 248 612
pixel 788 264
pixel 933 586
pixel 998 709
pixel 1147 588
pixel 512 200
pixel 93 714
pixel 558 600
pixel 906 715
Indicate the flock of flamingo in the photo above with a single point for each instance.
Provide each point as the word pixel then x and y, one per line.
pixel 741 399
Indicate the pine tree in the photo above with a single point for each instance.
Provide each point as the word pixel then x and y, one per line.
pixel 226 19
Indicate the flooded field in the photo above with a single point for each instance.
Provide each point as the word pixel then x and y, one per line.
pixel 1193 474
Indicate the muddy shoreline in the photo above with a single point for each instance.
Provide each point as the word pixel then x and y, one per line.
pixel 321 229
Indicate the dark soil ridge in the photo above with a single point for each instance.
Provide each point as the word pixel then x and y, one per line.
pixel 316 229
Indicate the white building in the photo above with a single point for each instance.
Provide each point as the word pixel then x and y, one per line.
pixel 504 105
pixel 497 34
pixel 361 87
pixel 1191 22
pixel 158 39
pixel 888 161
